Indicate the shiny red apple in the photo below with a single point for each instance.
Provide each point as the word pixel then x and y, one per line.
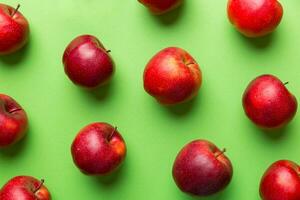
pixel 98 149
pixel 281 181
pixel 13 121
pixel 172 76
pixel 255 18
pixel 268 103
pixel 14 29
pixel 202 169
pixel 87 63
pixel 161 6
pixel 24 188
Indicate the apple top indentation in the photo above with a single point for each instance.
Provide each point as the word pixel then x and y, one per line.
pixel 81 40
pixel 110 136
pixel 219 153
pixel 9 105
pixel 14 11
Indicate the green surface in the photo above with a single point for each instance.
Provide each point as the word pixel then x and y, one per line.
pixel 154 134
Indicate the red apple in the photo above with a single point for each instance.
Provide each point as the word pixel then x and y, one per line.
pixel 24 188
pixel 172 76
pixel 87 63
pixel 14 29
pixel 201 169
pixel 281 181
pixel 255 18
pixel 13 121
pixel 268 103
pixel 159 6
pixel 98 149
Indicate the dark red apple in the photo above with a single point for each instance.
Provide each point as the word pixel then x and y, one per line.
pixel 13 121
pixel 24 188
pixel 160 7
pixel 98 149
pixel 14 29
pixel 172 76
pixel 281 181
pixel 202 169
pixel 255 18
pixel 268 103
pixel 87 63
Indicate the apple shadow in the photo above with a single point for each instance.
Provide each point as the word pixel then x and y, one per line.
pixel 99 93
pixel 15 149
pixel 171 17
pixel 220 195
pixel 272 135
pixel 260 42
pixel 15 58
pixel 113 178
pixel 184 108
pixel 278 134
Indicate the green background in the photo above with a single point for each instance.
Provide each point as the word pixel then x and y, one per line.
pixel 154 134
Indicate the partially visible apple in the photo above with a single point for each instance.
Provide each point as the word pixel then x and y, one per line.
pixel 13 121
pixel 202 169
pixel 98 149
pixel 281 181
pixel 14 29
pixel 24 188
pixel 255 18
pixel 87 63
pixel 161 6
pixel 172 76
pixel 268 103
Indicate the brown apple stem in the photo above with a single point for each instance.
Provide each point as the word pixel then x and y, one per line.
pixel 190 63
pixel 108 51
pixel 112 133
pixel 286 83
pixel 221 153
pixel 16 10
pixel 15 110
pixel 40 186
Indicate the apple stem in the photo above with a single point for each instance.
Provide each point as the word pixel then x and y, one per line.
pixel 190 63
pixel 14 110
pixel 40 185
pixel 112 133
pixel 286 83
pixel 16 10
pixel 108 51
pixel 221 153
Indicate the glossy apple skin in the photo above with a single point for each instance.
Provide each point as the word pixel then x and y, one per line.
pixel 160 7
pixel 268 103
pixel 201 169
pixel 98 149
pixel 255 18
pixel 172 76
pixel 281 181
pixel 13 121
pixel 87 63
pixel 24 188
pixel 14 30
